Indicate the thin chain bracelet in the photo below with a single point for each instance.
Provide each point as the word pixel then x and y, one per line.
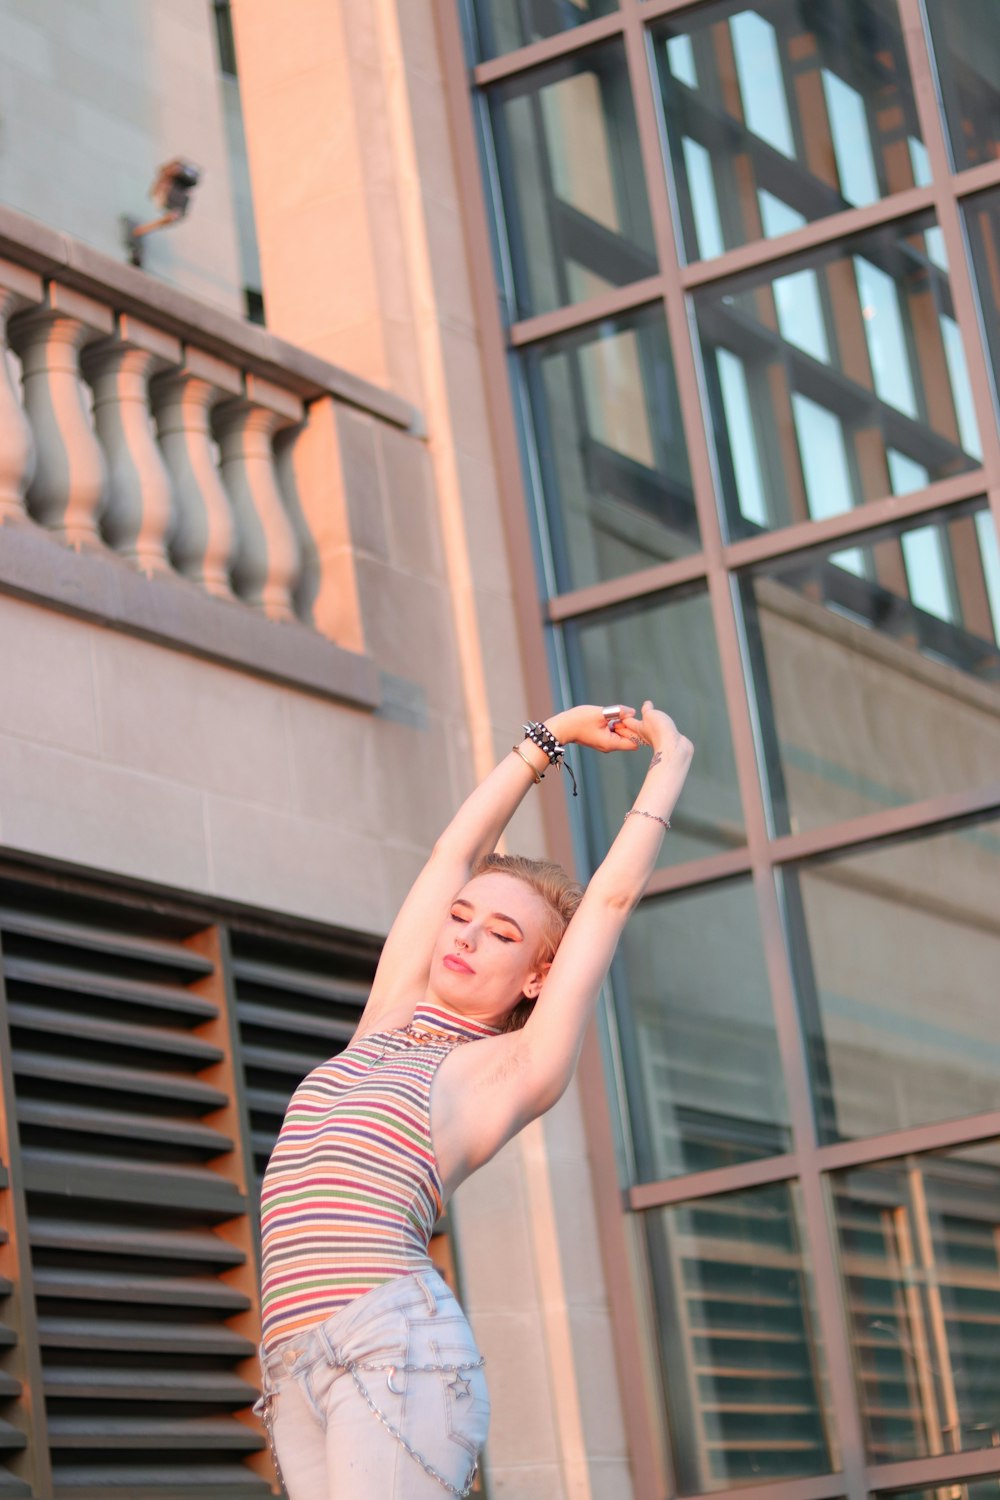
pixel 640 812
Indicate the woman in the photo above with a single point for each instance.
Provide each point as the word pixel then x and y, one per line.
pixel 373 1385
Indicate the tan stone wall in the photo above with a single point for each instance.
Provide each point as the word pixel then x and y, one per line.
pixel 96 97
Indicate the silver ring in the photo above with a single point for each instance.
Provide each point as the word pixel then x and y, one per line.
pixel 613 714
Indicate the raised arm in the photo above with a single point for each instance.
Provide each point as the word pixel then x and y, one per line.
pixel 489 1091
pixel 402 974
pixel 554 1034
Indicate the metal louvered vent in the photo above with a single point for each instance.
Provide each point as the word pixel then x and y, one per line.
pixel 11 1437
pixel 296 1006
pixel 137 1224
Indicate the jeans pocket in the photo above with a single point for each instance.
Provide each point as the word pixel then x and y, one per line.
pixel 464 1394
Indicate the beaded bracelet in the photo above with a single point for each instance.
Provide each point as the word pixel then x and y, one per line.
pixel 542 736
pixel 640 812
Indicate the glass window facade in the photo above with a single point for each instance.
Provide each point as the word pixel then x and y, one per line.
pixel 765 494
pixel 503 25
pixel 876 668
pixel 609 449
pixel 576 215
pixel 782 114
pixel 920 1257
pixel 896 953
pixel 836 379
pixel 967 52
pixel 742 1363
pixel 698 1039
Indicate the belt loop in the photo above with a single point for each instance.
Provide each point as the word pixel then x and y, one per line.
pixel 332 1357
pixel 429 1297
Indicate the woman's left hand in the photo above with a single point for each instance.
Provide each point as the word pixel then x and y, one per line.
pixel 586 725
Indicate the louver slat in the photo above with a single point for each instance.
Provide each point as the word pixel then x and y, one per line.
pixel 135 1243
pixel 81 1121
pixel 76 1027
pixel 137 1182
pixel 130 992
pixel 110 943
pixel 126 1127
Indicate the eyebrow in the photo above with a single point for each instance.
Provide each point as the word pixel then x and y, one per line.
pixel 499 915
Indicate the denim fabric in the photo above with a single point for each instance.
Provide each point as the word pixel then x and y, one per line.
pixel 385 1400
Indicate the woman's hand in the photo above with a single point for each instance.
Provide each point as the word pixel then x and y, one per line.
pixel 657 730
pixel 586 725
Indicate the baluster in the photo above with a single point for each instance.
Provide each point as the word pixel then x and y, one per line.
pixel 204 535
pixel 139 510
pixel 18 289
pixel 266 566
pixel 67 491
pixel 310 473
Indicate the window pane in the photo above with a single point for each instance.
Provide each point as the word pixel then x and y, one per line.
pixel 609 449
pixel 920 1249
pixel 973 1489
pixel 741 1362
pixel 876 667
pixel 896 956
pixel 783 114
pixel 574 194
pixel 503 25
pixel 664 650
pixel 983 220
pixel 703 1074
pixel 967 50
pixel 839 380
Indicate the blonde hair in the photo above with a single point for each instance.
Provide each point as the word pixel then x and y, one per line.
pixel 561 895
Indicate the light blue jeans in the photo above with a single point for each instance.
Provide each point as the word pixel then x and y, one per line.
pixel 385 1400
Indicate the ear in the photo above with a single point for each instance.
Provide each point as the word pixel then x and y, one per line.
pixel 533 984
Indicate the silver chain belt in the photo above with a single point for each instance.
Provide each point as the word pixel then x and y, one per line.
pixel 352 1366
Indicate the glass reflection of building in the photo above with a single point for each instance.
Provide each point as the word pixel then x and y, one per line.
pixel 750 262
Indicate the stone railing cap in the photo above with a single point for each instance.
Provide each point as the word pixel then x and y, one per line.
pixel 125 288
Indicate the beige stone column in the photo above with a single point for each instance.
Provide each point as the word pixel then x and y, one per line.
pixel 66 493
pixel 138 509
pixel 18 290
pixel 204 534
pixel 266 564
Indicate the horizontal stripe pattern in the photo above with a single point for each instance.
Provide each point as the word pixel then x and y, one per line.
pixel 352 1190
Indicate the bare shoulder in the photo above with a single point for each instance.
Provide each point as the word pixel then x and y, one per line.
pixel 482 1096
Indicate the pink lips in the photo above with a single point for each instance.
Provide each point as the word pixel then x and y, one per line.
pixel 452 961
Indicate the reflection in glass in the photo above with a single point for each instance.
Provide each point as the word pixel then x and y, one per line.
pixel 664 650
pixel 876 668
pixel 966 41
pixel 610 450
pixel 741 1363
pixel 983 220
pixel 782 114
pixel 503 25
pixel 920 1253
pixel 896 958
pixel 703 1075
pixel 574 196
pixel 837 381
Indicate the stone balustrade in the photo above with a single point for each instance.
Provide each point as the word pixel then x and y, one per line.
pixel 139 424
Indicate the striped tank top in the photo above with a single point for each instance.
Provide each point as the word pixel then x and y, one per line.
pixel 352 1191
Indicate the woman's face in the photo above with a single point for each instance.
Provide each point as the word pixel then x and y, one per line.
pixel 486 958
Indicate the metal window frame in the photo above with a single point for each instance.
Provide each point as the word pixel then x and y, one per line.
pixel 809 1162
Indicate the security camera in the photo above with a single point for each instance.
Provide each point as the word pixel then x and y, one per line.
pixel 171 189
pixel 173 184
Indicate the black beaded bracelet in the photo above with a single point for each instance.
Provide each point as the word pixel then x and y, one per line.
pixel 542 736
